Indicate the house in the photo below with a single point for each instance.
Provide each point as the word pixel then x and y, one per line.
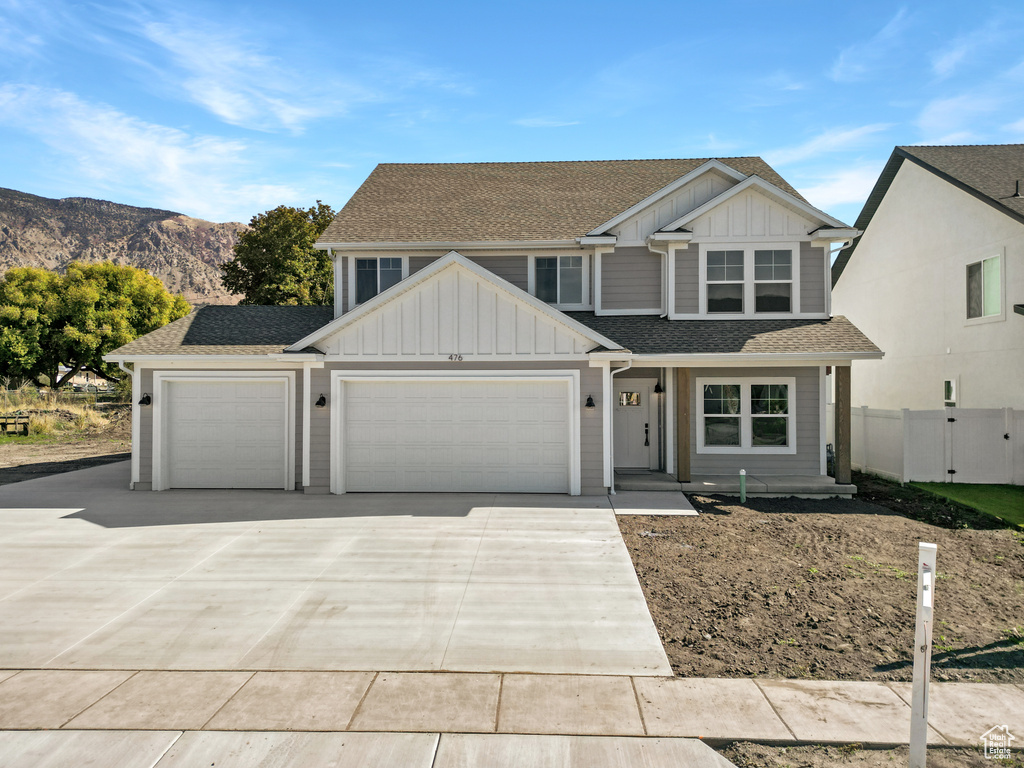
pixel 526 327
pixel 936 279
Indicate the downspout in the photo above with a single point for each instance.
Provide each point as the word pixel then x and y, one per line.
pixel 828 273
pixel 136 425
pixel 611 422
pixel 664 277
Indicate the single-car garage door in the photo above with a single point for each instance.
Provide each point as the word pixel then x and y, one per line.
pixel 226 433
pixel 456 435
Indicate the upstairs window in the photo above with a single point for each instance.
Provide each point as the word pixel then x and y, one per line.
pixel 749 280
pixel 773 281
pixel 559 279
pixel 984 291
pixel 374 276
pixel 725 282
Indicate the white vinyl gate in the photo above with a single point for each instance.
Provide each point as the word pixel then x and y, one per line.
pixel 956 445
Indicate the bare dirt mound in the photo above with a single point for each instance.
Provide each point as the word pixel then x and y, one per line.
pixel 825 589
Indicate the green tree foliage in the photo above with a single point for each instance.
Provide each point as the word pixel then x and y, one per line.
pixel 49 320
pixel 275 262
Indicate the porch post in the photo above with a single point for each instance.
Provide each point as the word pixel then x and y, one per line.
pixel 842 424
pixel 682 424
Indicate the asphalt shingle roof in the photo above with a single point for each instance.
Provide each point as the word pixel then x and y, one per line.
pixel 479 202
pixel 653 335
pixel 231 330
pixel 989 172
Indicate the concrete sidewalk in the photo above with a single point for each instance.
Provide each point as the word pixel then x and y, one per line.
pixel 713 709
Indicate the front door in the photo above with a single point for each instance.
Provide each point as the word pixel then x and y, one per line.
pixel 635 426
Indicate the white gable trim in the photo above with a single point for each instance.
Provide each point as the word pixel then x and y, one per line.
pixel 668 190
pixel 446 261
pixel 764 186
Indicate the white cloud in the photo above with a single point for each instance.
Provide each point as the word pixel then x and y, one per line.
pixel 203 175
pixel 544 122
pixel 245 87
pixel 847 186
pixel 1017 127
pixel 962 48
pixel 956 119
pixel 856 62
pixel 832 140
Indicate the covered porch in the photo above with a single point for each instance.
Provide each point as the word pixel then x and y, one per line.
pixel 692 402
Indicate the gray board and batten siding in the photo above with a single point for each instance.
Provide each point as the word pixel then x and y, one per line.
pixel 806 460
pixel 812 279
pixel 631 279
pixel 688 279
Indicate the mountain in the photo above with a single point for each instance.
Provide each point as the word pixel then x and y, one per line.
pixel 183 252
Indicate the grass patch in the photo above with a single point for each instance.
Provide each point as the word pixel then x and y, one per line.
pixel 1005 502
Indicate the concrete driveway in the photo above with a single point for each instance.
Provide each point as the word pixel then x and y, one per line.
pixel 93 576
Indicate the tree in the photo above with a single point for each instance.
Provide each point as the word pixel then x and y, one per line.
pixel 49 320
pixel 275 262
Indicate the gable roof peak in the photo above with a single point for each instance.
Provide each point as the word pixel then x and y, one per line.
pixel 508 201
pixel 987 172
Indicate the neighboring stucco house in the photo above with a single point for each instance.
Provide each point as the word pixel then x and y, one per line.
pixel 527 327
pixel 935 278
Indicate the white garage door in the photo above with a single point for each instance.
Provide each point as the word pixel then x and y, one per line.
pixel 456 436
pixel 226 434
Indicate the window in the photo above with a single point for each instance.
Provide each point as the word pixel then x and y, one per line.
pixel 559 279
pixel 376 275
pixel 984 295
pixel 629 398
pixel 949 393
pixel 749 280
pixel 725 281
pixel 773 281
pixel 746 416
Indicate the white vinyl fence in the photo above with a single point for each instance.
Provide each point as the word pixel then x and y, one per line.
pixel 954 445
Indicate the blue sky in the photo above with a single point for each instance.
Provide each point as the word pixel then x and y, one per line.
pixel 223 110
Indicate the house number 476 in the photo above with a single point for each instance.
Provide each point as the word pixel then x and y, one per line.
pixel 455 358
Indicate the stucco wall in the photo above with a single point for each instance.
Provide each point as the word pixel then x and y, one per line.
pixel 905 288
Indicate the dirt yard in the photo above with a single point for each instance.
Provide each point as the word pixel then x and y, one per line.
pixel 825 589
pixel 37 456
pixel 746 755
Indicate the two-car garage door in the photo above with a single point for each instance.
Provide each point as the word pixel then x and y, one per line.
pixel 455 435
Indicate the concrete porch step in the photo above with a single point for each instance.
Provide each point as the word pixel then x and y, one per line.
pixel 804 486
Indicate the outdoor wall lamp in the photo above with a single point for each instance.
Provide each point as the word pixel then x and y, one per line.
pixel 657 388
pixel 146 399
pixel 590 403
pixel 321 402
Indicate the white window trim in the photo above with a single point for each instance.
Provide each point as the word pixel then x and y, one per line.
pixel 748 280
pixel 588 299
pixel 338 378
pixel 1001 314
pixel 161 475
pixel 746 418
pixel 351 267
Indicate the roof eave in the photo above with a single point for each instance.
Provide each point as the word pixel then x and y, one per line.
pixel 447 245
pixel 738 358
